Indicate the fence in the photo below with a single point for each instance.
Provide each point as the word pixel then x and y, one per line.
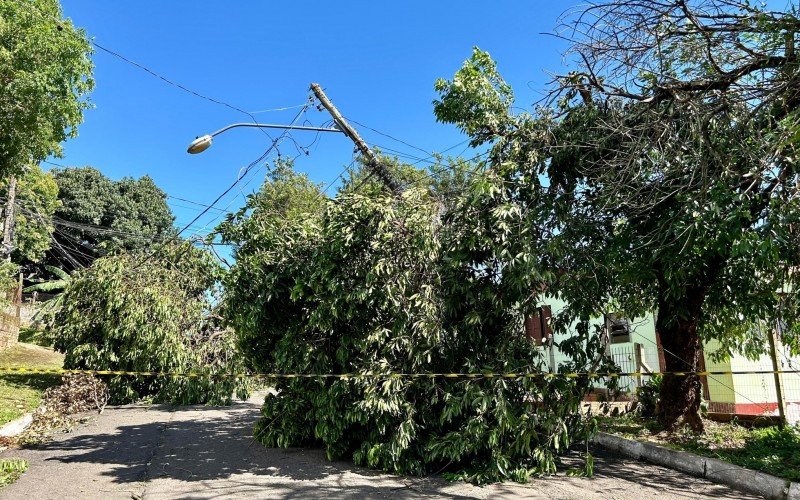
pixel 10 316
pixel 734 393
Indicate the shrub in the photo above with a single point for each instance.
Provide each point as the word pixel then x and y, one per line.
pixel 149 314
pixel 647 397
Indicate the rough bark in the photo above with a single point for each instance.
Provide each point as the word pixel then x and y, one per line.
pixel 680 395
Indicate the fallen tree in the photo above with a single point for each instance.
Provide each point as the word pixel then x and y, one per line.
pixel 149 313
pixel 369 283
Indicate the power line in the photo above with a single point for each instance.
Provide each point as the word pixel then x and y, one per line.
pixel 171 82
pixel 185 200
pixel 276 109
pixel 717 380
pixel 246 169
pixel 391 137
pixel 148 70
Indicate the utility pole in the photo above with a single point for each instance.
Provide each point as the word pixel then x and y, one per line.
pixel 373 163
pixel 8 224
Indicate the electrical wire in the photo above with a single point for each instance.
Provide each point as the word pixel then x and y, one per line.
pixel 146 69
pixel 717 380
pixel 246 170
pixel 230 188
pixel 391 137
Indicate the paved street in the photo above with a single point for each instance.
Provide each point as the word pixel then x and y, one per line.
pixel 200 452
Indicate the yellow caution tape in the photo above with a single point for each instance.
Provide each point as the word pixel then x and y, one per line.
pixel 381 375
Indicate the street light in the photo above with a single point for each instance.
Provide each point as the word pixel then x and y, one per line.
pixel 203 142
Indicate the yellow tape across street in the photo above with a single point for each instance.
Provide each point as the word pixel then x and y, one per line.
pixel 382 375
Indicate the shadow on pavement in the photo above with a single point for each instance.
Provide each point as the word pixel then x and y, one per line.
pixel 214 447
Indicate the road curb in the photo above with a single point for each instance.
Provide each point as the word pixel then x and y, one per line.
pixel 718 471
pixel 15 427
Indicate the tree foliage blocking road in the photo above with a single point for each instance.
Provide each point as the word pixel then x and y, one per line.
pixel 46 74
pixel 369 282
pixel 665 172
pixel 129 313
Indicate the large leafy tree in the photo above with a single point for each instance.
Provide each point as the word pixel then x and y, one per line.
pixel 371 282
pixel 98 215
pixel 45 76
pixel 666 170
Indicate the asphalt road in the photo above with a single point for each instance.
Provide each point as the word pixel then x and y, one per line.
pixel 162 452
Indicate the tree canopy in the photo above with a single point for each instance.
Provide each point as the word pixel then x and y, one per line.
pixel 153 314
pixel 98 215
pixel 371 282
pixel 46 75
pixel 663 172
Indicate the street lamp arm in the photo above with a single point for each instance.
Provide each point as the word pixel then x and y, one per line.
pixel 268 125
pixel 202 143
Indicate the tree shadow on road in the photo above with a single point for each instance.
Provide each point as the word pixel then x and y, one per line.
pixel 204 444
pixel 204 452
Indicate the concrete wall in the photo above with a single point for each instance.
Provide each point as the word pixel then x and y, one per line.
pixel 9 325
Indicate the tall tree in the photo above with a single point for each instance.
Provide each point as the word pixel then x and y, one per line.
pixel 666 169
pixel 36 202
pixel 98 215
pixel 45 76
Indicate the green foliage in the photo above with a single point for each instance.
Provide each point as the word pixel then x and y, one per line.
pixel 369 283
pixel 480 94
pixel 770 449
pixel 36 202
pixel 47 310
pixel 132 212
pixel 11 469
pixel 9 280
pixel 652 192
pixel 60 283
pixel 130 313
pixel 46 73
pixel 647 396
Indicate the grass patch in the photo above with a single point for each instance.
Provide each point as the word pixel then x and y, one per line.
pixel 769 449
pixel 34 335
pixel 11 469
pixel 21 393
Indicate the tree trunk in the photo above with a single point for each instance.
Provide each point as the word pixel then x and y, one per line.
pixel 680 395
pixel 8 223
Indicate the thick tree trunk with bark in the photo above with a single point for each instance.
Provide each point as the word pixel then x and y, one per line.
pixel 680 395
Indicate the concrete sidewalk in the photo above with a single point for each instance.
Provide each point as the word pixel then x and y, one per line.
pixel 204 452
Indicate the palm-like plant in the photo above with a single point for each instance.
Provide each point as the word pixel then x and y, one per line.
pixel 59 284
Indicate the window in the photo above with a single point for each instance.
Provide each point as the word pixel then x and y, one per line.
pixel 618 328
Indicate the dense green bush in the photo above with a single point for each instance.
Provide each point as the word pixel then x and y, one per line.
pixel 371 283
pixel 135 313
pixel 647 397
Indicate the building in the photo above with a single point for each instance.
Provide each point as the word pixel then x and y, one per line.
pixel 634 347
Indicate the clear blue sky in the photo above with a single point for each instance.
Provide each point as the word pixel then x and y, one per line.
pixel 377 61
